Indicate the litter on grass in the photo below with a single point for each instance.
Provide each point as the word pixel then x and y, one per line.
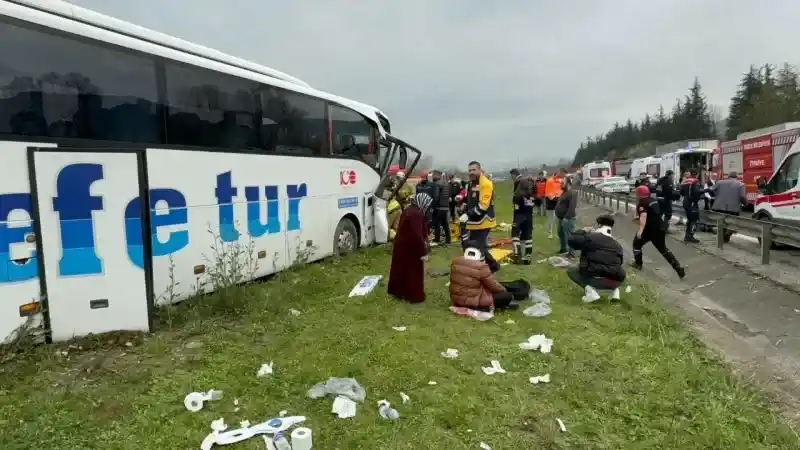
pixel 509 321
pixel 432 383
pixel 494 368
pixel 483 316
pixel 537 342
pixel 484 446
pixel 559 262
pixel 194 401
pixel 540 379
pixel 539 295
pixel 347 387
pixel 399 328
pixel 561 425
pixel 294 312
pixel 366 285
pixel 450 353
pixel 264 370
pixel 405 397
pixel 628 289
pixel 343 407
pixel 386 411
pixel 538 310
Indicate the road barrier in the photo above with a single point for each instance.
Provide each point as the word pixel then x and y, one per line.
pixel 769 234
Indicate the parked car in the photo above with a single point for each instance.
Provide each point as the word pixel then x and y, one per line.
pixel 608 180
pixel 616 187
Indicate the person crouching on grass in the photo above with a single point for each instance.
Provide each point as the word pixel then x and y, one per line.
pixel 472 284
pixel 410 251
pixel 601 260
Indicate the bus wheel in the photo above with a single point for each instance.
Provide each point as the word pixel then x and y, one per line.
pixel 345 239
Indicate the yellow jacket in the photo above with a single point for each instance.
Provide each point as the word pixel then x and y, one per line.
pixel 480 205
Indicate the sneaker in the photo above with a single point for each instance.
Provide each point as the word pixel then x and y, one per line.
pixel 614 294
pixel 590 295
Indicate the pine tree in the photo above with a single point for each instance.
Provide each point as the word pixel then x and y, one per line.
pixel 742 102
pixel 787 84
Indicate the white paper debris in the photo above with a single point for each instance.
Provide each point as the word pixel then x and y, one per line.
pixel 628 289
pixel 294 312
pixel 399 328
pixel 431 383
pixel 561 425
pixel 344 407
pixel 539 296
pixel 484 446
pixel 451 353
pixel 194 400
pixel 540 379
pixel 448 284
pixel 494 368
pixel 537 342
pixel 509 321
pixel 244 424
pixel 283 413
pixel 266 369
pixel 218 425
pixel 405 397
pixel 366 285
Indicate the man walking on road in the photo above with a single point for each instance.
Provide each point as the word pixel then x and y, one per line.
pixel 480 218
pixel 441 204
pixel 729 196
pixel 522 226
pixel 691 191
pixel 651 229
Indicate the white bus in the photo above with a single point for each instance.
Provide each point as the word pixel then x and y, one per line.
pixel 98 117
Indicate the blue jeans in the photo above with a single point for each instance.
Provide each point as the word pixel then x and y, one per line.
pixel 565 229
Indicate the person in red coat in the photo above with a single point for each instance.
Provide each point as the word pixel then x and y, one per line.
pixel 407 272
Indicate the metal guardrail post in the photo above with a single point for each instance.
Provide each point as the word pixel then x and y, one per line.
pixel 766 242
pixel 720 232
pixel 617 203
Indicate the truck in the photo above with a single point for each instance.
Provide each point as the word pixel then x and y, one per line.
pixel 754 155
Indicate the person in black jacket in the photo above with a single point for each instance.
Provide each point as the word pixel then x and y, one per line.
pixel 601 260
pixel 427 187
pixel 651 229
pixel 454 188
pixel 440 206
pixel 665 192
pixel 522 225
pixel 691 191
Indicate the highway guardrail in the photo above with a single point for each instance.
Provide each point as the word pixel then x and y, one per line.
pixel 768 233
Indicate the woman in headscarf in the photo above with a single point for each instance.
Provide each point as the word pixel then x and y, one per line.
pixel 407 272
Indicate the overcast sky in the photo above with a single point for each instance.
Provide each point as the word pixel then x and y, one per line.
pixel 492 80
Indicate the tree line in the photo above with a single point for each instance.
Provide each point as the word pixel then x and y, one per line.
pixel 766 96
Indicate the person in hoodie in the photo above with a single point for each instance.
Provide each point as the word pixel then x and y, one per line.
pixel 441 205
pixel 600 266
pixel 691 191
pixel 651 229
pixel 665 193
pixel 454 188
pixel 522 225
pixel 565 213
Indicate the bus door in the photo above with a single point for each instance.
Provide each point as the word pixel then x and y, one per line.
pixel 91 240
pixel 395 149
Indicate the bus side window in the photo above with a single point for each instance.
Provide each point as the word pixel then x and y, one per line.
pixel 352 135
pixel 292 122
pixel 56 86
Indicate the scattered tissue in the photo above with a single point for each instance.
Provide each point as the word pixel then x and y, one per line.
pixel 561 425
pixel 477 315
pixel 405 397
pixel 283 413
pixel 450 353
pixel 431 383
pixel 399 328
pixel 494 368
pixel 366 285
pixel 537 342
pixel 194 401
pixel 485 446
pixel 558 261
pixel 509 321
pixel 294 312
pixel 347 387
pixel 266 369
pixel 538 310
pixel 344 407
pixel 539 295
pixel 628 289
pixel 540 379
pixel 386 411
pixel 218 425
pixel 244 424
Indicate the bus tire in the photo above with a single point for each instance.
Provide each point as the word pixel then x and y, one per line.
pixel 345 239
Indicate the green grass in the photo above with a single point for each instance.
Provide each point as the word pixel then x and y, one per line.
pixel 624 376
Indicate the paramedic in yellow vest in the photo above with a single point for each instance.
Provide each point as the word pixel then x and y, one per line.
pixel 480 211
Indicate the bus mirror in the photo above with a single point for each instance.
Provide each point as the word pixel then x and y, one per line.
pixel 403 158
pixel 761 183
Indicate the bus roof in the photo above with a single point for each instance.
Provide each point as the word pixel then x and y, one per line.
pixel 86 16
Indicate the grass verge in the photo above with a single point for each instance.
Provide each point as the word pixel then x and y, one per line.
pixel 624 375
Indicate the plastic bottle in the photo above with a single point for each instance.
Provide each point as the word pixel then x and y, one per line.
pixel 281 443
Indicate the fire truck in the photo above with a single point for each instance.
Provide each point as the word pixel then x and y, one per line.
pixel 755 154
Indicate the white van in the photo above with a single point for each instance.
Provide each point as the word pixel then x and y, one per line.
pixel 779 200
pixel 595 172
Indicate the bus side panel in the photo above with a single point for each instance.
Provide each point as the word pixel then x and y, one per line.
pixel 267 210
pixel 19 282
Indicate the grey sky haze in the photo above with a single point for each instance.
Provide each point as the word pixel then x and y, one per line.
pixel 493 81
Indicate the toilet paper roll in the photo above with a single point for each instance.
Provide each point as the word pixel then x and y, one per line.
pixel 194 401
pixel 301 439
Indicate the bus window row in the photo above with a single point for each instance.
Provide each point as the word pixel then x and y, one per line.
pixel 55 85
